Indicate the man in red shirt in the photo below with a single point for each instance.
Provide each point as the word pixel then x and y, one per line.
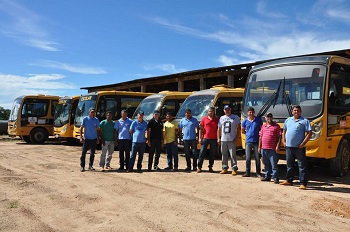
pixel 269 143
pixel 207 135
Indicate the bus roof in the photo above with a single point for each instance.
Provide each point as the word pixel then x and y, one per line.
pixel 70 97
pixel 168 93
pixel 296 60
pixel 41 96
pixel 114 92
pixel 219 88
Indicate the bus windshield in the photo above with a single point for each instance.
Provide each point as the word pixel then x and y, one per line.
pixel 62 112
pixel 85 103
pixel 148 106
pixel 15 109
pixel 198 104
pixel 294 84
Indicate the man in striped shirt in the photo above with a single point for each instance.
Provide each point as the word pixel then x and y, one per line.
pixel 269 142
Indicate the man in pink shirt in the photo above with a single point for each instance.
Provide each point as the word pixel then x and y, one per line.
pixel 269 142
pixel 208 135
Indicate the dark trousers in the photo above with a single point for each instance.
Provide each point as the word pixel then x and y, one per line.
pixel 88 143
pixel 213 151
pixel 140 149
pixel 156 147
pixel 124 146
pixel 293 153
pixel 191 145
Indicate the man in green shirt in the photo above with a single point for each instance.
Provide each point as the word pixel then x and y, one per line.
pixel 107 141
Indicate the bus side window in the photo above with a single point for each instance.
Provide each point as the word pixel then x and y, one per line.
pixel 339 92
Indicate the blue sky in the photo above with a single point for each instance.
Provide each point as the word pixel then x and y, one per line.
pixel 56 47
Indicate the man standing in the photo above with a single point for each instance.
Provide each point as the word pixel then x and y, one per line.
pixel 123 136
pixel 188 126
pixel 251 127
pixel 227 136
pixel 170 135
pixel 138 130
pixel 90 125
pixel 155 140
pixel 208 135
pixel 296 133
pixel 107 140
pixel 269 143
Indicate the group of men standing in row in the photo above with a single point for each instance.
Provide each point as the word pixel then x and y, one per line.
pixel 261 139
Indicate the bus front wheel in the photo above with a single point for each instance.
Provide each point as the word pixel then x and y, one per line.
pixel 339 165
pixel 38 136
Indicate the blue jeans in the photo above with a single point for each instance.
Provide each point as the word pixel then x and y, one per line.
pixel 172 152
pixel 137 148
pixel 293 153
pixel 248 152
pixel 188 146
pixel 124 146
pixel 270 161
pixel 88 143
pixel 213 151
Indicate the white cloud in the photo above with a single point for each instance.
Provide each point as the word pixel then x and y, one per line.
pixel 261 9
pixel 24 26
pixel 83 69
pixel 13 86
pixel 169 68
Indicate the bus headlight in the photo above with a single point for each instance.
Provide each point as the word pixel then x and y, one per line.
pixel 316 130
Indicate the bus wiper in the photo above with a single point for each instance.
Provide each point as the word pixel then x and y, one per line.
pixel 286 99
pixel 271 101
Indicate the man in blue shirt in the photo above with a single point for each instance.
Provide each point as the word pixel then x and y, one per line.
pixel 90 125
pixel 123 136
pixel 189 127
pixel 296 133
pixel 251 127
pixel 138 130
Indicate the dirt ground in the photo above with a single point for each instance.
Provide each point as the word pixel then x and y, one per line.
pixel 42 189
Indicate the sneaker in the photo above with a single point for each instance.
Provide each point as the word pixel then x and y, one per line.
pixel 303 187
pixel 188 169
pixel 157 168
pixel 265 179
pixel 276 181
pixel 224 171
pixel 82 169
pixel 246 175
pixel 199 170
pixel 91 168
pixel 286 183
pixel 211 169
pixel 234 173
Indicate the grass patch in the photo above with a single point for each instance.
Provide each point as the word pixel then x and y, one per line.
pixel 13 205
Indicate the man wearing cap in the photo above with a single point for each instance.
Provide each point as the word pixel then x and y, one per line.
pixel 155 140
pixel 269 143
pixel 188 129
pixel 90 125
pixel 124 140
pixel 227 137
pixel 296 133
pixel 138 130
pixel 208 135
pixel 251 127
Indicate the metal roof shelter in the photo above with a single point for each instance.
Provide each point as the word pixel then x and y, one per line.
pixel 232 75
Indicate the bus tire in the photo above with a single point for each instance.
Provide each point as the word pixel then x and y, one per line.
pixel 339 165
pixel 26 139
pixel 38 135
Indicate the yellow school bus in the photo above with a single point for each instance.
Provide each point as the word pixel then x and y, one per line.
pixel 321 86
pixel 103 101
pixel 218 96
pixel 64 118
pixel 165 101
pixel 31 117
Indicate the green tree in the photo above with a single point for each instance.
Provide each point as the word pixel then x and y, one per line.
pixel 4 113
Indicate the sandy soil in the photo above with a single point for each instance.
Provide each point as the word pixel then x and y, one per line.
pixel 42 189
